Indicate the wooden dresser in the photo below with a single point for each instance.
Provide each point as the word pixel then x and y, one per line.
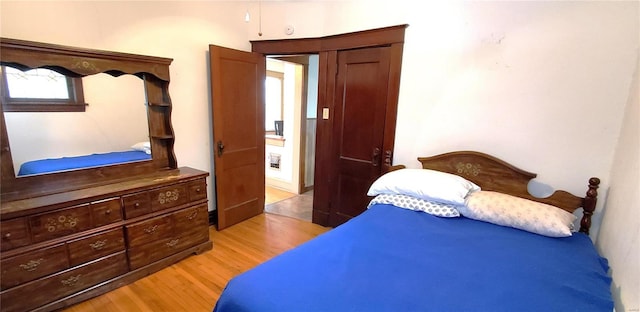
pixel 63 248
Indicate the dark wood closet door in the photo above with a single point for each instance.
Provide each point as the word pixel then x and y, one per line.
pixel 359 129
pixel 237 87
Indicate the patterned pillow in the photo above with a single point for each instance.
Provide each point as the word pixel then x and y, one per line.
pixel 416 204
pixel 519 213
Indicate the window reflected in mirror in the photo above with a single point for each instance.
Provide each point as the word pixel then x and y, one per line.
pixel 113 129
pixel 40 90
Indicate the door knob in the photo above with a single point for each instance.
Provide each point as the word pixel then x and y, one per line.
pixel 220 148
pixel 388 158
pixel 375 157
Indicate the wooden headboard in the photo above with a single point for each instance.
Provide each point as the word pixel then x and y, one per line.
pixel 493 174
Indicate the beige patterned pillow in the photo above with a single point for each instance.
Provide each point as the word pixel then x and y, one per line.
pixel 519 213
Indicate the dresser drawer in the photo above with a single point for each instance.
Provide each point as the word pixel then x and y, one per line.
pixel 15 233
pixel 34 294
pixel 141 233
pixel 197 190
pixel 144 255
pixel 105 212
pixel 29 266
pixel 169 196
pixel 191 219
pixel 60 223
pixel 136 205
pixel 95 246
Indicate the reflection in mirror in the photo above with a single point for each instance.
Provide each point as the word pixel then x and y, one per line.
pixel 113 129
pixel 39 83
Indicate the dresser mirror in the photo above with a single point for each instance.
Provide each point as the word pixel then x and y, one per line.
pixel 123 130
pixel 114 121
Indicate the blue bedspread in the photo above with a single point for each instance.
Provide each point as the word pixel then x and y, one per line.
pixel 93 160
pixel 392 259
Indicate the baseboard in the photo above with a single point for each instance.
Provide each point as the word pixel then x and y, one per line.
pixel 213 217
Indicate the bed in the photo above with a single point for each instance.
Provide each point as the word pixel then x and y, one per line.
pixel 86 161
pixel 416 249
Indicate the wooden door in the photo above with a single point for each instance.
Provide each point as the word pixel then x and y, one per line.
pixel 358 129
pixel 237 93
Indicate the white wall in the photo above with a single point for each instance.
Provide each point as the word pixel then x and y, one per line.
pixel 619 237
pixel 541 84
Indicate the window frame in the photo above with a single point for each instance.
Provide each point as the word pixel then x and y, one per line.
pixel 280 76
pixel 75 103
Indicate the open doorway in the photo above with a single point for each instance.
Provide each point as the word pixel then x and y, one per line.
pixel 291 93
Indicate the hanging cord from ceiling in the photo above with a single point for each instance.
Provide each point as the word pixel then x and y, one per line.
pixel 260 18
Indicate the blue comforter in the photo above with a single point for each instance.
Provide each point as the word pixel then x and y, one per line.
pixel 76 162
pixel 392 259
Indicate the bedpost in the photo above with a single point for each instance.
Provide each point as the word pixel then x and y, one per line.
pixel 589 205
pixel 393 168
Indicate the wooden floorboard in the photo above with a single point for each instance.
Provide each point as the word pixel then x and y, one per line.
pixel 272 195
pixel 195 283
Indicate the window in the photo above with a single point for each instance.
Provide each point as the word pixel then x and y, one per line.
pixel 40 90
pixel 274 102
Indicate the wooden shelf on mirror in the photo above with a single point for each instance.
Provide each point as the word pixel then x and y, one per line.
pixel 151 104
pixel 162 136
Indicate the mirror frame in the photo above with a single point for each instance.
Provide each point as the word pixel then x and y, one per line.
pixel 80 62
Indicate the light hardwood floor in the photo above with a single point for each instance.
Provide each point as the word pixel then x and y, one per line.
pixel 195 283
pixel 272 195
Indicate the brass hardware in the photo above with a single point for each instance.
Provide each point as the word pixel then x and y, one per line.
pixel 7 235
pixel 150 230
pixel 98 245
pixel 31 265
pixel 71 280
pixel 198 190
pixel 387 158
pixel 136 205
pixel 375 157
pixel 173 242
pixel 108 211
pixel 193 215
pixel 220 148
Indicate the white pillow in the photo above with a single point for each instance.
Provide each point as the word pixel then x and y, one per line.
pixel 519 213
pixel 426 184
pixel 143 147
pixel 416 204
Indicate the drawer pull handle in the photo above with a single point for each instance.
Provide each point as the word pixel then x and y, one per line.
pixel 31 265
pixel 173 242
pixel 136 205
pixel 198 190
pixel 7 236
pixel 98 245
pixel 151 230
pixel 71 280
pixel 108 211
pixel 193 215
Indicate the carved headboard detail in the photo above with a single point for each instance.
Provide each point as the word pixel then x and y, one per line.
pixel 493 174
